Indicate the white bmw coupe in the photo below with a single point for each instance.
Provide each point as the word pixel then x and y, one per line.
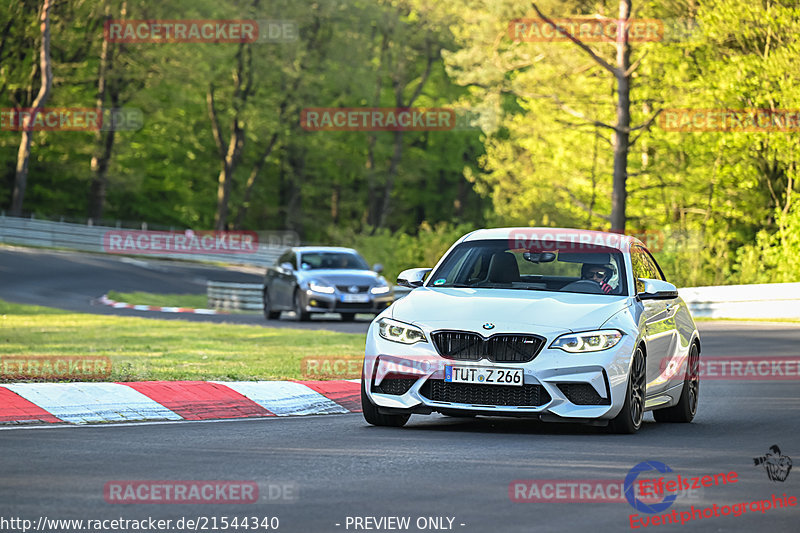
pixel 554 324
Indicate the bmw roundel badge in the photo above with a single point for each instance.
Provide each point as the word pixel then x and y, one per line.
pixel 488 325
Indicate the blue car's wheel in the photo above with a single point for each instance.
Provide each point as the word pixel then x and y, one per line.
pixel 302 314
pixel 269 311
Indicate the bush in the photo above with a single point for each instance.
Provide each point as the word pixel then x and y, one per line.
pixel 397 251
pixel 775 256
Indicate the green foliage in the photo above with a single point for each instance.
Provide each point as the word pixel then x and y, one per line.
pixel 723 200
pixel 775 256
pixel 398 250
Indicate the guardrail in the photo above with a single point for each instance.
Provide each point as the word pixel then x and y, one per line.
pixel 768 300
pixel 89 238
pixel 234 296
pixel 774 300
pixel 247 296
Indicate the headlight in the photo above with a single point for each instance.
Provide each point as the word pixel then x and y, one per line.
pixel 392 330
pixel 588 341
pixel 317 286
pixel 380 290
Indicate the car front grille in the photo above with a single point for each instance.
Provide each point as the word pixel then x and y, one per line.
pixel 346 288
pixel 582 394
pixel 395 386
pixel 500 348
pixel 531 395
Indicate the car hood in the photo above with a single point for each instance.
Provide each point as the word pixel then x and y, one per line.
pixel 337 276
pixel 509 310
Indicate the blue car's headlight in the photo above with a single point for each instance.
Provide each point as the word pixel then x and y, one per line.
pixel 395 331
pixel 588 341
pixel 381 289
pixel 321 287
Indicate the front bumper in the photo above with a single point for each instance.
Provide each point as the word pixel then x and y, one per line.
pixel 557 385
pixel 314 302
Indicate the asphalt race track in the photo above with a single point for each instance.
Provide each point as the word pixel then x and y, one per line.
pixel 435 466
pixel 338 467
pixel 73 281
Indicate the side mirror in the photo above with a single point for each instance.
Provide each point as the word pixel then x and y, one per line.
pixel 655 289
pixel 377 267
pixel 287 266
pixel 413 277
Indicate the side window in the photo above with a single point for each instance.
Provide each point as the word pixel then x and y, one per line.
pixel 644 266
pixel 284 258
pixel 293 260
pixel 640 267
pixel 655 269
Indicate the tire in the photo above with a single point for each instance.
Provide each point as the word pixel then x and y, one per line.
pixel 372 416
pixel 269 314
pixel 302 315
pixel 629 419
pixel 684 411
pixel 348 317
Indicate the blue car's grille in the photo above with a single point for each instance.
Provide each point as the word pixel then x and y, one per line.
pixel 346 288
pixel 500 348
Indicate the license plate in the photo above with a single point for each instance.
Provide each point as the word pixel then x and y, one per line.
pixel 484 376
pixel 355 298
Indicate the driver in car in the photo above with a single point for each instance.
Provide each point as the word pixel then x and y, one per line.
pixel 600 274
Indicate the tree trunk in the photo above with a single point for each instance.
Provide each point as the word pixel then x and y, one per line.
pixel 104 140
pixel 619 194
pixel 391 174
pixel 397 155
pixel 230 156
pixel 294 206
pixel 251 180
pixel 372 139
pixel 24 153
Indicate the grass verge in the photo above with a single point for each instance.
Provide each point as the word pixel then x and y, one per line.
pixel 196 301
pixel 145 349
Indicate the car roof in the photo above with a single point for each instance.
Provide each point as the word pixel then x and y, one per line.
pixel 304 249
pixel 524 236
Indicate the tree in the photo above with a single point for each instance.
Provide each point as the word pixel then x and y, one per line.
pixel 622 72
pixel 24 153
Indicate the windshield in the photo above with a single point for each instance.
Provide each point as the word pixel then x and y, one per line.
pixel 558 267
pixel 343 260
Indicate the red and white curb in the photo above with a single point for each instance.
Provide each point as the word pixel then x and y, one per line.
pixel 105 300
pixel 86 403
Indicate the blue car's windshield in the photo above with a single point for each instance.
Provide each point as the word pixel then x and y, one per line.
pixel 343 260
pixel 493 264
